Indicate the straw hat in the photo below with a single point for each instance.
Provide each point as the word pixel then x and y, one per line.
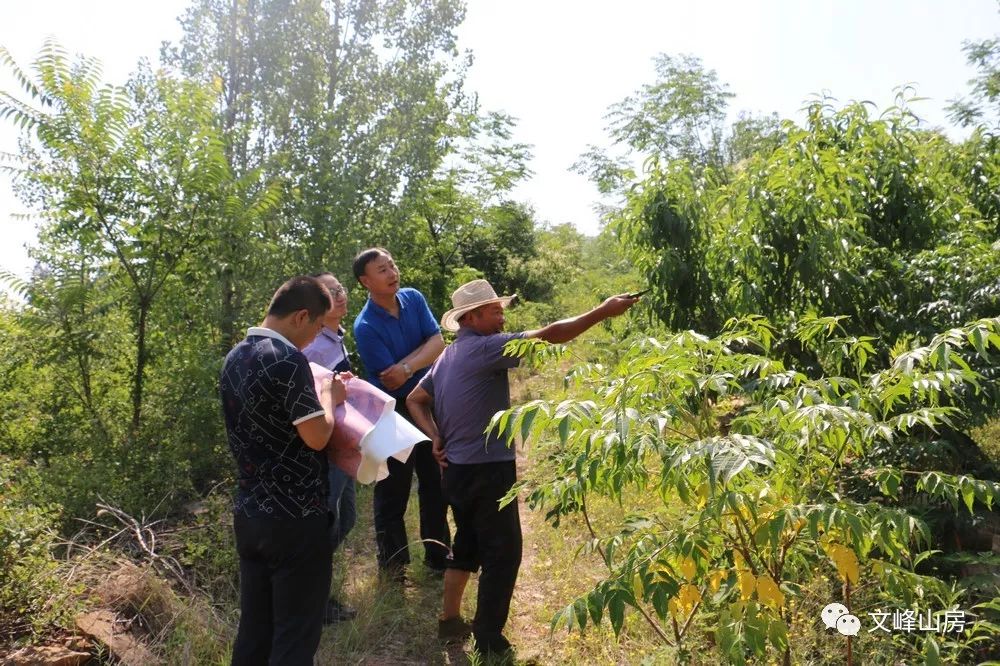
pixel 468 297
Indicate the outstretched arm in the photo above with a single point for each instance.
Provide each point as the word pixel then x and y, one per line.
pixel 565 330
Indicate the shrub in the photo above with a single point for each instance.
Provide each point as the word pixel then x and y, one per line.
pixel 31 595
pixel 748 460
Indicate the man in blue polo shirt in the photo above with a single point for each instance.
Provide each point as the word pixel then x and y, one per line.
pixel 397 339
pixel 453 405
pixel 277 429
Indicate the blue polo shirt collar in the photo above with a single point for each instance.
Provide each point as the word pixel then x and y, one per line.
pixel 382 311
pixel 269 333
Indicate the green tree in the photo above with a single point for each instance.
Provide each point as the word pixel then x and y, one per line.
pixel 132 184
pixel 462 217
pixel 128 177
pixel 848 215
pixel 681 115
pixel 979 107
pixel 348 105
pixel 753 135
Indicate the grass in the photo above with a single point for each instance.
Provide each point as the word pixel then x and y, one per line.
pixel 396 624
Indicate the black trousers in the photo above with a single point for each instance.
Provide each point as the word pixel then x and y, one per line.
pixel 392 494
pixel 284 582
pixel 489 537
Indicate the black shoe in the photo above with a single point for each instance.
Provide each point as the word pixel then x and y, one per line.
pixel 338 612
pixel 453 630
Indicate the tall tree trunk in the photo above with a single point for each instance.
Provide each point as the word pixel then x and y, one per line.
pixel 140 367
pixel 227 317
pixel 334 55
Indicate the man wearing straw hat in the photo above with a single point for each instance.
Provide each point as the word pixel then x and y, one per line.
pixel 453 405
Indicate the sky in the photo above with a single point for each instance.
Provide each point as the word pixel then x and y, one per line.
pixel 557 65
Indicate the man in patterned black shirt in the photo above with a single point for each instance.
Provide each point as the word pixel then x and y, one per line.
pixel 277 428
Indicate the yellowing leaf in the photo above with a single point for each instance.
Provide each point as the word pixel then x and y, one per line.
pixel 769 593
pixel 689 595
pixel 715 580
pixel 683 604
pixel 747 583
pixel 738 560
pixel 688 568
pixel 637 586
pixel 702 493
pixel 845 560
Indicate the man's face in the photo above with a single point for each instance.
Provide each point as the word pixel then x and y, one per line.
pixel 338 296
pixel 381 276
pixel 488 319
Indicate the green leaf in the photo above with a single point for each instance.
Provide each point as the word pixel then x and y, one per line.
pixel 968 490
pixel 661 600
pixel 774 529
pixel 777 633
pixel 595 604
pixel 526 421
pixel 932 652
pixel 564 429
pixel 616 611
pixel 580 608
pixel 563 617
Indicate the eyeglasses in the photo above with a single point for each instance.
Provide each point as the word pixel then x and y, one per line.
pixel 338 291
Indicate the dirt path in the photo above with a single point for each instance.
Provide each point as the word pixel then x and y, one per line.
pixel 528 627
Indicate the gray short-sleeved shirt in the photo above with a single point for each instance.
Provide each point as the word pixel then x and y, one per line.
pixel 469 385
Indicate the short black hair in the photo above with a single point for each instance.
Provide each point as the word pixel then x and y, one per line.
pixel 302 292
pixel 364 258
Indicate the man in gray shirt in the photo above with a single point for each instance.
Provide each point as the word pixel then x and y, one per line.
pixel 453 405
